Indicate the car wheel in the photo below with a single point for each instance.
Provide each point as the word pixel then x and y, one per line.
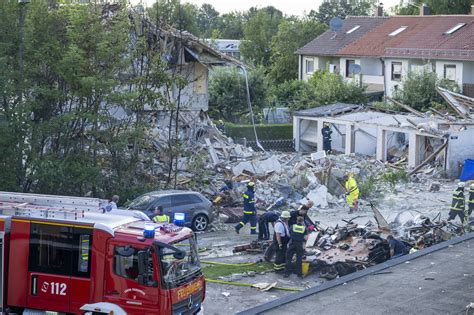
pixel 200 222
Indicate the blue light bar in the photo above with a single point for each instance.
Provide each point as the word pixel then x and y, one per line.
pixel 179 219
pixel 149 230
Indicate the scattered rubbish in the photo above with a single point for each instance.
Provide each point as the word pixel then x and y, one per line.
pixel 226 294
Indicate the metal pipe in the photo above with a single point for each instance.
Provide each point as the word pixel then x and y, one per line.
pixel 250 106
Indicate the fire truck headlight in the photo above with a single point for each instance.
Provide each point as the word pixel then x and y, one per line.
pixel 179 219
pixel 149 231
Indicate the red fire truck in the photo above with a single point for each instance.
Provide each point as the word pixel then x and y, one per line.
pixel 62 254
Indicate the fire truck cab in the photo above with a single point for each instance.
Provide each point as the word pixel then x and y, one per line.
pixel 74 261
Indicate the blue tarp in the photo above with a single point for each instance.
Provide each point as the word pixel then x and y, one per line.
pixel 467 171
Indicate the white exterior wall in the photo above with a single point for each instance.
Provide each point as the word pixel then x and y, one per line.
pixel 306 75
pixel 459 70
pixel 468 72
pixel 389 84
pixel 460 148
pixel 342 66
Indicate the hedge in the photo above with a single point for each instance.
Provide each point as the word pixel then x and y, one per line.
pixel 264 132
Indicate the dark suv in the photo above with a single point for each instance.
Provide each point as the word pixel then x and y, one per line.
pixel 197 209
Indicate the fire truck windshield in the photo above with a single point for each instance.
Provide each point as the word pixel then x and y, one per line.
pixel 178 271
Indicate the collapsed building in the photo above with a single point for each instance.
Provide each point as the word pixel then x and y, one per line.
pixel 414 138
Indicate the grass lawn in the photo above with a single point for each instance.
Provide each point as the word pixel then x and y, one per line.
pixel 216 271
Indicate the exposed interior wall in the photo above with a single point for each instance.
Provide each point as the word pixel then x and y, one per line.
pixel 365 140
pixel 194 95
pixel 395 143
pixel 460 148
pixel 338 137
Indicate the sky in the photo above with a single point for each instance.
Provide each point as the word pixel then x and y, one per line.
pixel 289 7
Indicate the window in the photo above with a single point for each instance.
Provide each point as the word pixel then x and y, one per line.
pixel 348 65
pixel 396 71
pixel 60 250
pixel 398 31
pixel 355 28
pixel 181 200
pixel 126 262
pixel 309 66
pixel 454 28
pixel 450 72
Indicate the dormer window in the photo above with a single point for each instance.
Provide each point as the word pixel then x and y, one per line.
pixel 398 31
pixel 355 28
pixel 454 28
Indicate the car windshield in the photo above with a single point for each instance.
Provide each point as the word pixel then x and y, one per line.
pixel 141 203
pixel 176 271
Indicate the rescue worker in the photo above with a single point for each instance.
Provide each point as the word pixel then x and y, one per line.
pixel 458 207
pixel 263 222
pixel 250 212
pixel 281 237
pixel 220 125
pixel 160 217
pixel 303 212
pixel 111 205
pixel 352 193
pixel 296 246
pixel 326 132
pixel 470 202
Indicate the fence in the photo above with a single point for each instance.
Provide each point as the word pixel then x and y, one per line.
pixel 283 145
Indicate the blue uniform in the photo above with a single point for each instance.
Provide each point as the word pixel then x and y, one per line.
pixel 250 213
pixel 263 231
pixel 326 132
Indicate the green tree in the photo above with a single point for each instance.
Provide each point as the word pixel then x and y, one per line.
pixel 228 95
pixel 291 35
pixel 175 14
pixel 230 26
pixel 207 20
pixel 342 8
pixel 331 88
pixel 436 7
pixel 259 31
pixel 294 94
pixel 419 90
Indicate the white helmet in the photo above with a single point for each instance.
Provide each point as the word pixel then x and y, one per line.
pixel 472 186
pixel 461 184
pixel 285 215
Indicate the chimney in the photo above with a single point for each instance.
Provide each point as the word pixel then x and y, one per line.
pixel 379 10
pixel 424 10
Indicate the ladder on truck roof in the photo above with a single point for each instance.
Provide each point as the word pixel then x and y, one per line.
pixel 48 206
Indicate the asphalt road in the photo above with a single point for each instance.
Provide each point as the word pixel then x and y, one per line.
pixel 438 283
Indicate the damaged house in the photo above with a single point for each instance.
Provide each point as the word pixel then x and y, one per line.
pixel 387 48
pixel 415 138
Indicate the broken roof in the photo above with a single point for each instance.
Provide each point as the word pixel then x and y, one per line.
pixel 441 36
pixel 463 105
pixel 329 110
pixel 351 113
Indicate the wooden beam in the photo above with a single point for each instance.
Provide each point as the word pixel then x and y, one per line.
pixel 429 158
pixel 408 108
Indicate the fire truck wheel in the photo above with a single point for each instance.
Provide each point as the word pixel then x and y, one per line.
pixel 200 222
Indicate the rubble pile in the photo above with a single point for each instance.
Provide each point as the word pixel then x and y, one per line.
pixel 207 158
pixel 345 249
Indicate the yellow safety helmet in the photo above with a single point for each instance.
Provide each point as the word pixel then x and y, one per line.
pixel 250 184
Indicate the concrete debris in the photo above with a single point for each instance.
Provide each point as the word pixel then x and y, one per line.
pixel 264 286
pixel 434 186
